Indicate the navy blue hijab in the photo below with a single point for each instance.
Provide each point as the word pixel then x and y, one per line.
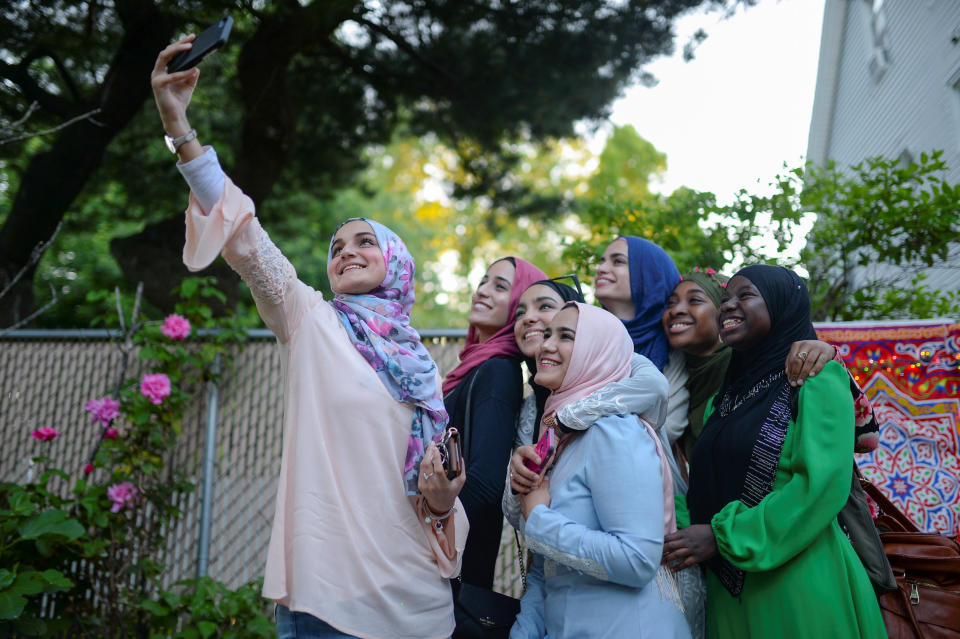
pixel 653 276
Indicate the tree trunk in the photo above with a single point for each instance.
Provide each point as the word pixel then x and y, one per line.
pixel 53 178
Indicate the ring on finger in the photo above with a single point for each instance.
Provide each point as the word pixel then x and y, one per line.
pixel 802 356
pixel 428 476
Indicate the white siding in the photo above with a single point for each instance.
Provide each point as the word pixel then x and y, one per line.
pixel 913 106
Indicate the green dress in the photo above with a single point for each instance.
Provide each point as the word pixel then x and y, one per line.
pixel 804 579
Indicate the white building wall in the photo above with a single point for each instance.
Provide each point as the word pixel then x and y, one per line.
pixel 912 106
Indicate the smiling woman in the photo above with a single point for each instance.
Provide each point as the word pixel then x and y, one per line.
pixel 595 521
pixel 356 263
pixel 483 395
pixel 768 476
pixel 354 371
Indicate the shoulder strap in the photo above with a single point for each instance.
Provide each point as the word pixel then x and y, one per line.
pixel 467 433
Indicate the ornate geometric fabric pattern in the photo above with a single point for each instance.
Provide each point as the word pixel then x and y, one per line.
pixel 911 373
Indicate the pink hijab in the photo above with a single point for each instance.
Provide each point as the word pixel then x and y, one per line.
pixel 601 355
pixel 502 343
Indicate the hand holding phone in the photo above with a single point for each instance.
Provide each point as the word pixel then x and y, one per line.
pixel 207 42
pixel 545 449
pixel 451 453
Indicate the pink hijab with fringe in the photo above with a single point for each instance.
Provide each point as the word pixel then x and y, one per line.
pixel 502 343
pixel 602 351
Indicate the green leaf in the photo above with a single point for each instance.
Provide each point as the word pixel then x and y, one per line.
pixel 21 505
pixel 11 605
pixel 28 583
pixel 188 633
pixel 56 581
pixel 51 522
pixel 31 627
pixel 6 578
pixel 206 628
pixel 188 287
pixel 155 608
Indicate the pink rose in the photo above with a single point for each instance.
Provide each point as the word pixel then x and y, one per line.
pixel 110 433
pixel 88 469
pixel 710 271
pixel 45 434
pixel 122 495
pixel 103 410
pixel 176 327
pixel 155 387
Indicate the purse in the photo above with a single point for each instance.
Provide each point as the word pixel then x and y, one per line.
pixel 481 613
pixel 926 603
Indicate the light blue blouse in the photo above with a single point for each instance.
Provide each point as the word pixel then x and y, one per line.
pixel 598 545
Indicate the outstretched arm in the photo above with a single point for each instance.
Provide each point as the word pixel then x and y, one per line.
pixel 172 93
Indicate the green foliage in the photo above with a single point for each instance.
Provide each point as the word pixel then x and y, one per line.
pixel 879 224
pixel 64 538
pixel 291 103
pixel 213 611
pixel 626 165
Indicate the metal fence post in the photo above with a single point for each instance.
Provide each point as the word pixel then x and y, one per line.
pixel 210 449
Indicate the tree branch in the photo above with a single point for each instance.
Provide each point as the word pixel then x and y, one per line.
pixel 407 48
pixel 32 316
pixel 35 256
pixel 16 124
pixel 83 116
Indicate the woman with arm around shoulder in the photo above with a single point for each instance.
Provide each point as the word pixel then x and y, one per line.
pixel 769 473
pixel 368 530
pixel 483 396
pixel 644 393
pixel 596 524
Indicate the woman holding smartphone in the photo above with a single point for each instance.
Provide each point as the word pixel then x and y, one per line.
pixel 596 522
pixel 360 547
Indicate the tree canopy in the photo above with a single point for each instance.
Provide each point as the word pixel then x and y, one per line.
pixel 291 103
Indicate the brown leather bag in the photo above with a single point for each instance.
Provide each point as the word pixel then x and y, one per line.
pixel 926 604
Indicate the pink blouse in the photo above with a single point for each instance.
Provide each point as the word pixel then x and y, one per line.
pixel 347 544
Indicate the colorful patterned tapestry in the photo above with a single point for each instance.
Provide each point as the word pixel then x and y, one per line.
pixel 911 372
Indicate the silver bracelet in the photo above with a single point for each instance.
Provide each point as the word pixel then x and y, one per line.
pixel 432 516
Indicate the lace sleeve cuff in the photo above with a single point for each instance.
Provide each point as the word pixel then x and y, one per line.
pixel 264 268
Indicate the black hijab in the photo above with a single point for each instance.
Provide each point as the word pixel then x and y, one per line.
pixel 540 393
pixel 737 453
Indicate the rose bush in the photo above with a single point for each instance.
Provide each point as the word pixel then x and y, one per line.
pixel 78 555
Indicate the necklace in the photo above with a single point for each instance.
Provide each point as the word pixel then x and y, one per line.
pixel 731 402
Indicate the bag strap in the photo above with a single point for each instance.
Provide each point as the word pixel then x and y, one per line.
pixel 467 433
pixel 523 572
pixel 909 608
pixel 465 438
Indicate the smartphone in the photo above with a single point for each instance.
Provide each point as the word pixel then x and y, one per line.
pixel 207 42
pixel 451 453
pixel 545 448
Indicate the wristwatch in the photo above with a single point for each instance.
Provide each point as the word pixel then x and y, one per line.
pixel 174 144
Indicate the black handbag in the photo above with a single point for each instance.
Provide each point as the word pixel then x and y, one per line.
pixel 481 613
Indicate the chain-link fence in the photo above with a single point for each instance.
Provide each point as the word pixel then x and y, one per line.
pixel 46 377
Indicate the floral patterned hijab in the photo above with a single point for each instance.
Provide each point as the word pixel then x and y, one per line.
pixel 378 324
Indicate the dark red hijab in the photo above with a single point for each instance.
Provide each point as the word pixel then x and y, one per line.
pixel 502 343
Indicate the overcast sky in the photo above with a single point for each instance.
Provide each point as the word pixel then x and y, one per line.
pixel 742 107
